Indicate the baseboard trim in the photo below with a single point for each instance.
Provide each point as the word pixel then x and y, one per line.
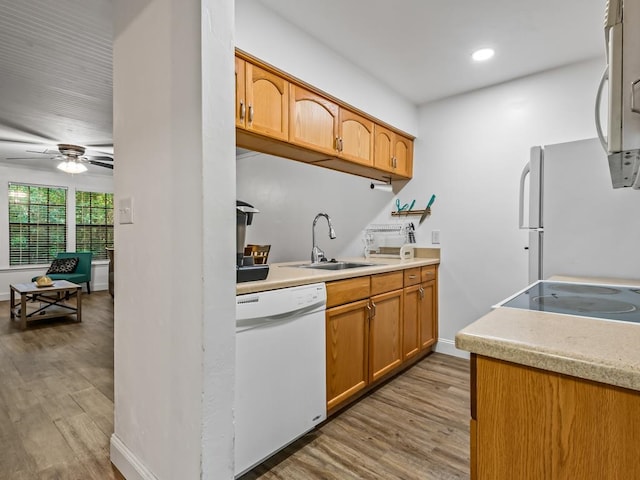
pixel 128 464
pixel 448 347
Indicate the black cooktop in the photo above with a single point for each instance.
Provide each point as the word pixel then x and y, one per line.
pixel 610 302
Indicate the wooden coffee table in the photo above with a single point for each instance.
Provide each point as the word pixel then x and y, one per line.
pixel 37 303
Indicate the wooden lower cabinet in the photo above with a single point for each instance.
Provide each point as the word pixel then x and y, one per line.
pixel 375 325
pixel 419 318
pixel 428 314
pixel 411 322
pixel 385 334
pixel 529 423
pixel 347 351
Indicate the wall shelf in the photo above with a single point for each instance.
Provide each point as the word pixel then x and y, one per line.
pixel 405 213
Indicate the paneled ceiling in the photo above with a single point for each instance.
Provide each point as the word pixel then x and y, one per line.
pixel 55 56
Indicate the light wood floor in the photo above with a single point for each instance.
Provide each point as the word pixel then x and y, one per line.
pixel 56 395
pixel 56 413
pixel 415 427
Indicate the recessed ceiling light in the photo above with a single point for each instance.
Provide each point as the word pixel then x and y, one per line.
pixel 482 54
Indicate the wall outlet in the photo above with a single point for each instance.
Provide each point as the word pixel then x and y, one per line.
pixel 435 237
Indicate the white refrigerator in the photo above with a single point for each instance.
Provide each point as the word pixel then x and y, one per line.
pixel 578 223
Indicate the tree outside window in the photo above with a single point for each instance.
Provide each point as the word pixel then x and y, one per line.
pixel 94 223
pixel 37 223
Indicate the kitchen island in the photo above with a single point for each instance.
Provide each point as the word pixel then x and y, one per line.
pixel 552 395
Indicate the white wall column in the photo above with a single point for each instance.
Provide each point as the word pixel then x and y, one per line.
pixel 175 288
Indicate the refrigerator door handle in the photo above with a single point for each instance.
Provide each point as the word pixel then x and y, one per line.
pixel 525 172
pixel 603 140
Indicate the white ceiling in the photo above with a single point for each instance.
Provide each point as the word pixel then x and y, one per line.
pixel 55 77
pixel 422 48
pixel 55 56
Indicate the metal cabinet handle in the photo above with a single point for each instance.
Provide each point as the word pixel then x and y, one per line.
pixel 421 290
pixel 341 144
pixel 634 109
pixel 250 113
pixel 337 146
pixel 394 162
pixel 411 277
pixel 243 110
pixel 373 313
pixel 369 313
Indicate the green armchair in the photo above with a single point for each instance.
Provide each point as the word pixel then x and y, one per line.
pixel 82 273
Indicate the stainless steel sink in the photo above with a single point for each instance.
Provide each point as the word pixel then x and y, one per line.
pixel 333 265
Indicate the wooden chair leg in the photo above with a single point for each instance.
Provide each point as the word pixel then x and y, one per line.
pixel 89 288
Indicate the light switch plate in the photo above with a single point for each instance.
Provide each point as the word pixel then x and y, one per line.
pixel 125 210
pixel 435 237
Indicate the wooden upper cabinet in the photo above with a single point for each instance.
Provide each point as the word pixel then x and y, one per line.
pixel 355 138
pixel 393 152
pixel 403 156
pixel 280 115
pixel 313 121
pixel 241 97
pixel 262 103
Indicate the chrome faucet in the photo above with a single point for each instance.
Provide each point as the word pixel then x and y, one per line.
pixel 318 255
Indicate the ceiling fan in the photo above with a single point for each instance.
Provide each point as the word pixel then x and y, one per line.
pixel 72 157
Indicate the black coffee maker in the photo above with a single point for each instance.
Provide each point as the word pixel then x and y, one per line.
pixel 246 271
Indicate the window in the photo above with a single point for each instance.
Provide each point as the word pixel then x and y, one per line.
pixel 37 223
pixel 94 223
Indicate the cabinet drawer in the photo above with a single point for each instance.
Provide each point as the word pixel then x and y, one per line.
pixel 349 290
pixel 386 282
pixel 428 273
pixel 412 276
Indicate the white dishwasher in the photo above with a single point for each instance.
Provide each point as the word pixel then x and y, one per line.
pixel 280 370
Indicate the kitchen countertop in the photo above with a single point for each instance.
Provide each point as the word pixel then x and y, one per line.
pixel 283 275
pixel 589 348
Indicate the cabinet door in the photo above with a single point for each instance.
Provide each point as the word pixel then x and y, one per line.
pixel 427 311
pixel 403 156
pixel 241 100
pixel 385 334
pixel 356 138
pixel 267 103
pixel 411 321
pixel 347 351
pixel 383 148
pixel 314 121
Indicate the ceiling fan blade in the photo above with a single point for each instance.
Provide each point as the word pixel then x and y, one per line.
pixel 101 164
pixel 27 158
pixel 101 158
pixel 46 151
pixel 22 130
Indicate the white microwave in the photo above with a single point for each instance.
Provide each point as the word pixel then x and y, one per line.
pixel 622 143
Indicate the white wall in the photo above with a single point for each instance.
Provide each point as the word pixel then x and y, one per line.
pixel 289 195
pixel 175 290
pixel 85 182
pixel 470 152
pixel 272 39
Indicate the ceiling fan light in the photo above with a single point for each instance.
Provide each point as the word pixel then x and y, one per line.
pixel 70 166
